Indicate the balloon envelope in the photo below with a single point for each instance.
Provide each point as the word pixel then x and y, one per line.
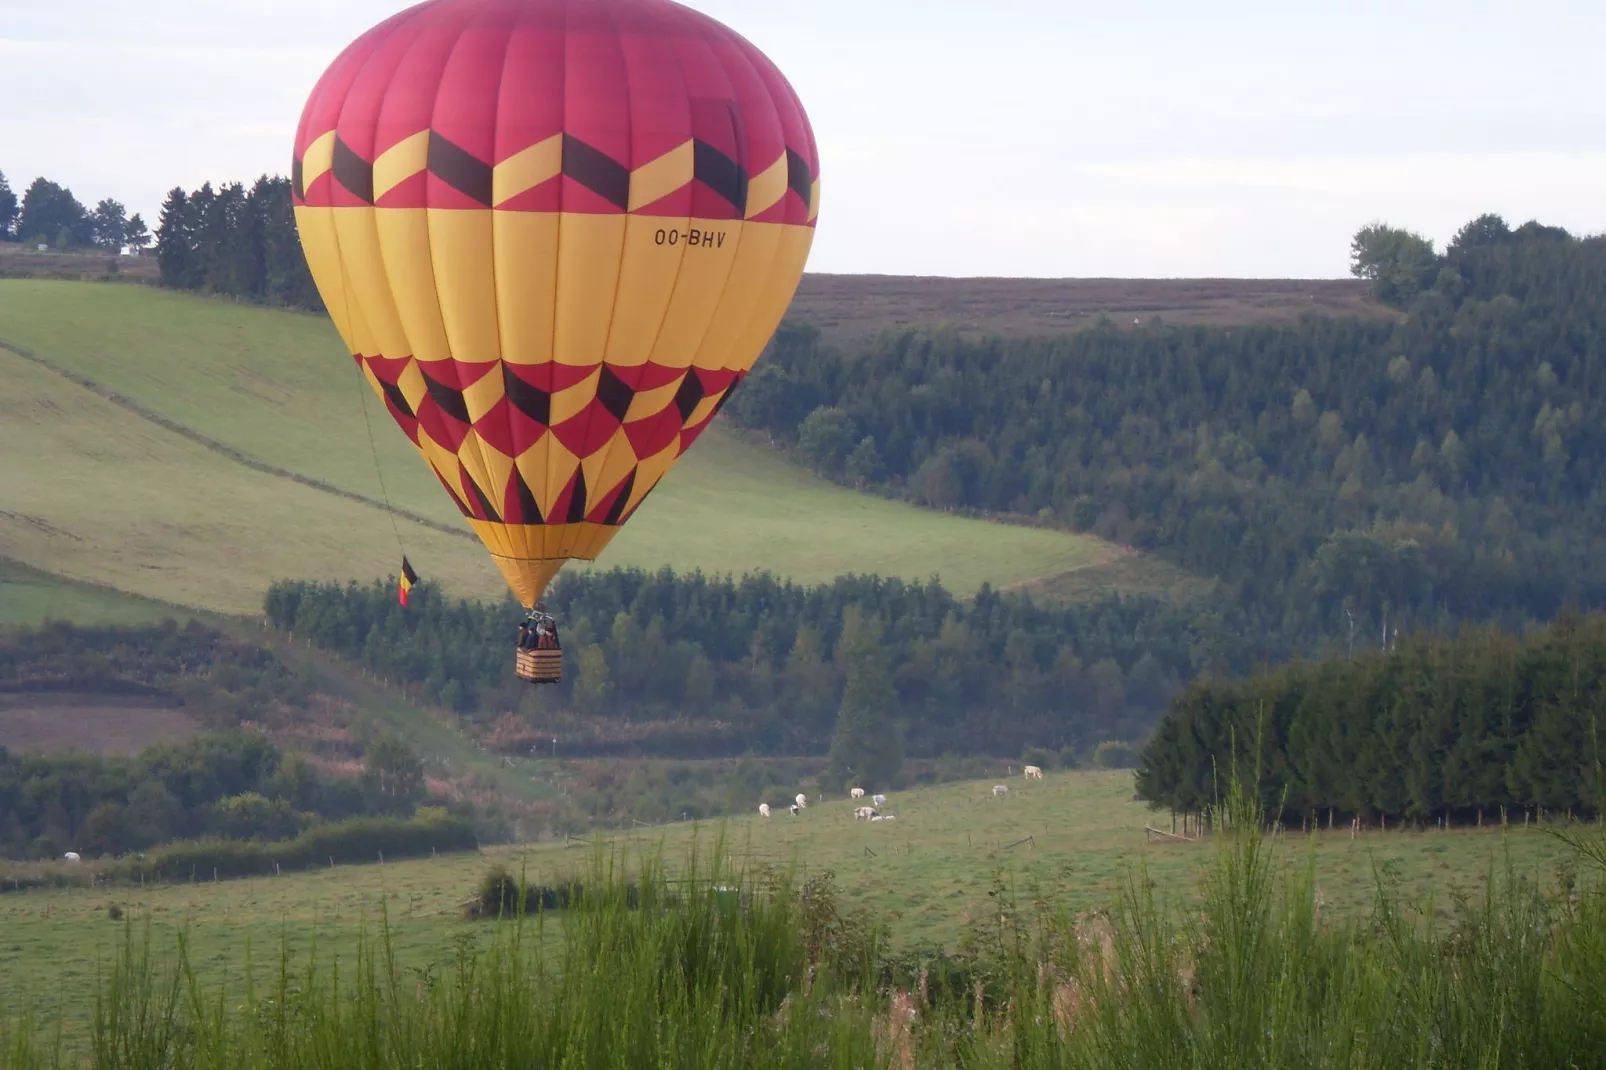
pixel 555 235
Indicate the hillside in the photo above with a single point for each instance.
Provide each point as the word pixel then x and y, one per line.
pixel 29 597
pixel 1338 476
pixel 198 449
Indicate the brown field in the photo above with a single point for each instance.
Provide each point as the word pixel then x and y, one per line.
pixel 18 261
pixel 850 308
pixel 1129 573
pixel 104 724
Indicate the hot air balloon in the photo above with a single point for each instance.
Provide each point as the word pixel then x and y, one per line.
pixel 554 235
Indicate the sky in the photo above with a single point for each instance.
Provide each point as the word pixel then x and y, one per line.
pixel 1022 138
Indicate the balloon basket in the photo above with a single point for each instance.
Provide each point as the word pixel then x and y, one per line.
pixel 539 666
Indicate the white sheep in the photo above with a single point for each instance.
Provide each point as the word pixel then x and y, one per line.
pixel 878 817
pixel 763 809
pixel 887 817
pixel 879 800
pixel 72 856
pixel 856 793
pixel 802 801
pixel 1033 772
pixel 999 791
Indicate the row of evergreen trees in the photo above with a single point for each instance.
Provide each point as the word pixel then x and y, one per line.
pixel 238 242
pixel 49 214
pixel 769 666
pixel 1341 476
pixel 1465 729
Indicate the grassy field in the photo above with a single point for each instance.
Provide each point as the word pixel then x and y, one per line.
pixel 192 450
pixel 29 597
pixel 928 873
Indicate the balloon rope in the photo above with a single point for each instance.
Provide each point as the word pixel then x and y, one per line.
pixel 374 448
pixel 362 396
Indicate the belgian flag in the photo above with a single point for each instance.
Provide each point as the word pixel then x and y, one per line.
pixel 408 578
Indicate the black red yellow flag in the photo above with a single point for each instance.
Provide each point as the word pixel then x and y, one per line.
pixel 408 578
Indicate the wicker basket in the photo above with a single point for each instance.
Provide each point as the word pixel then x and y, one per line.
pixel 539 666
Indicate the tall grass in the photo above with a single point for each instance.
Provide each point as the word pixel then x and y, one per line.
pixel 721 968
pixel 1513 978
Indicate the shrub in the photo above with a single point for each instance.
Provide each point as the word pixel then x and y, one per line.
pixel 350 842
pixel 1041 757
pixel 499 895
pixel 1113 754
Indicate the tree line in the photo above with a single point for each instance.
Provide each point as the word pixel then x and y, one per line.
pixel 232 785
pixel 1467 729
pixel 220 681
pixel 230 781
pixel 684 665
pixel 1341 477
pixel 235 241
pixel 49 214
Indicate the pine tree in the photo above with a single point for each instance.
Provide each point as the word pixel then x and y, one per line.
pixel 175 253
pixel 866 746
pixel 219 237
pixel 8 209
pixel 809 684
pixel 137 236
pixel 286 277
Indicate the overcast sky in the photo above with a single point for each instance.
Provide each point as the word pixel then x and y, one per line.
pixel 989 137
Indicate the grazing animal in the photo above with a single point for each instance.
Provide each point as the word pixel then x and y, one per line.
pixel 877 817
pixel 887 817
pixel 856 793
pixel 1033 772
pixel 794 809
pixel 862 812
pixel 72 856
pixel 879 800
pixel 763 809
pixel 802 800
pixel 999 791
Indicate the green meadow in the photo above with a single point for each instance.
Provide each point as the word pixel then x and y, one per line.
pixel 1074 839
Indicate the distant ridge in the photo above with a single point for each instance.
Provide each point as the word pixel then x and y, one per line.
pixel 853 308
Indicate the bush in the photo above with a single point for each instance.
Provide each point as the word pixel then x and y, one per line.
pixel 349 842
pixel 499 896
pixel 1112 754
pixel 1041 757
